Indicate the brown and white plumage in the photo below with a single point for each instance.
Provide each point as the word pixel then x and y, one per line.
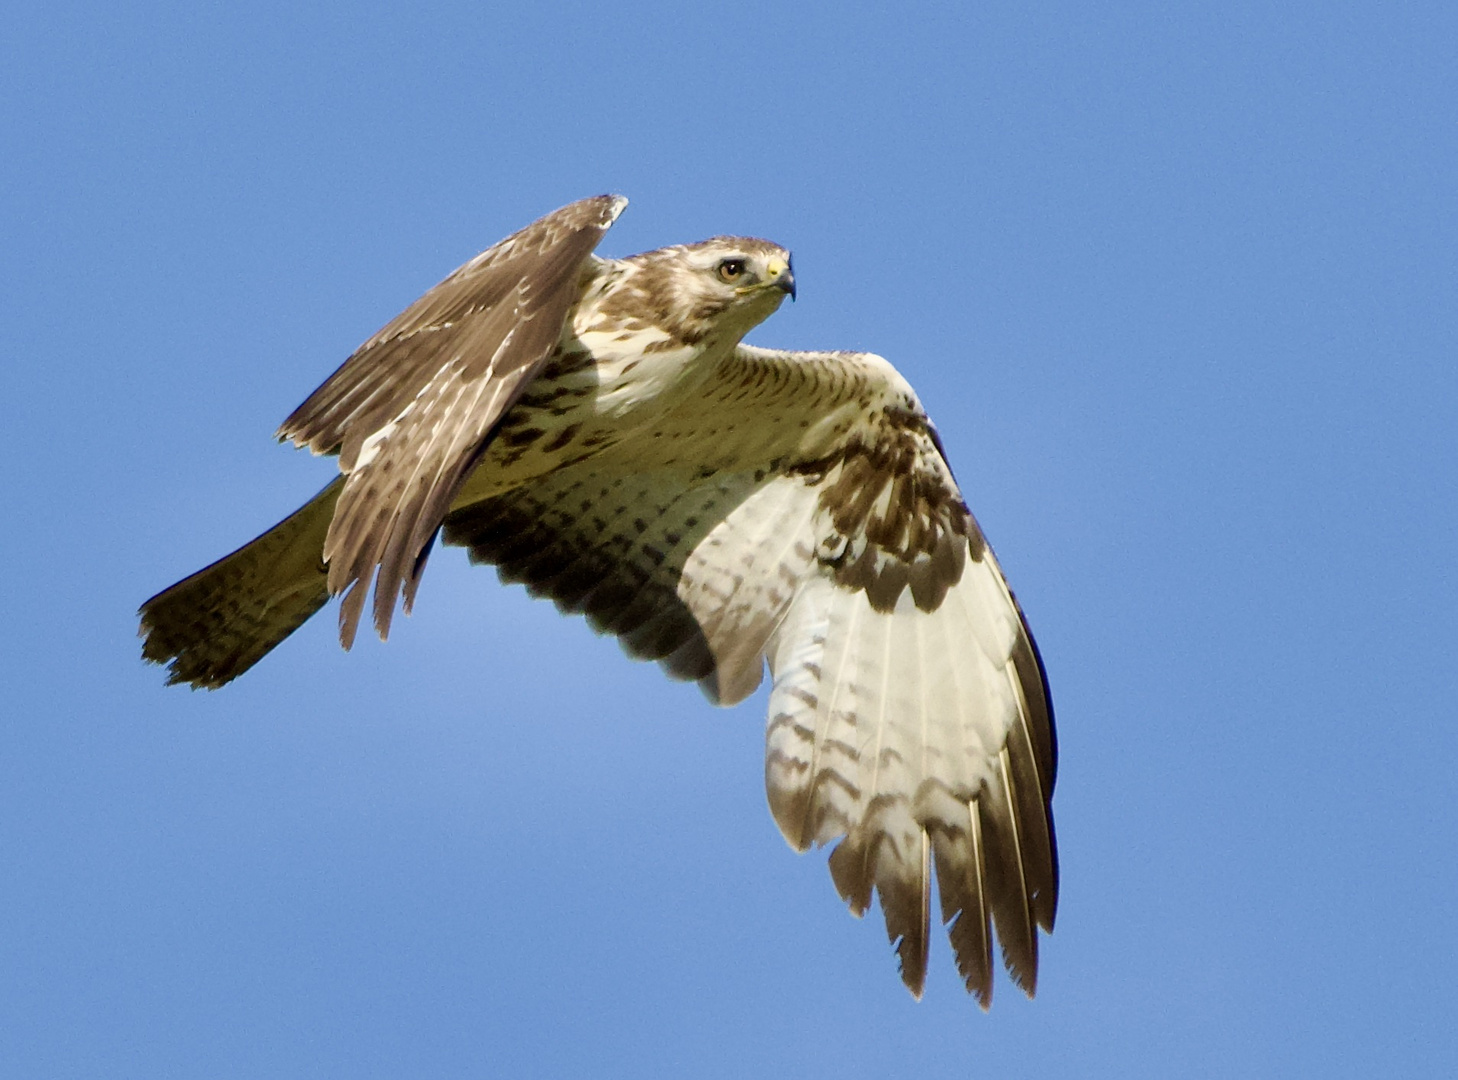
pixel 596 430
pixel 410 411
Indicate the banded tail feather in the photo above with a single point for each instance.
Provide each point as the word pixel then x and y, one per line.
pixel 213 626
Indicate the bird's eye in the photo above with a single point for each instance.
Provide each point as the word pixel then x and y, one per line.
pixel 731 270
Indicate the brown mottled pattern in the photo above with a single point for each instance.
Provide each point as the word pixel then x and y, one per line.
pixel 655 290
pixel 428 389
pixel 716 507
pixel 613 539
pixel 897 525
pixel 533 274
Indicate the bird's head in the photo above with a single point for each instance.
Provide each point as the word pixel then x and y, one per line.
pixel 721 287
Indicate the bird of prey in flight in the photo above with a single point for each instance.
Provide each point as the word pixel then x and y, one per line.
pixel 596 430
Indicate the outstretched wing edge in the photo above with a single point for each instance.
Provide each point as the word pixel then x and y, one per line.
pixel 799 510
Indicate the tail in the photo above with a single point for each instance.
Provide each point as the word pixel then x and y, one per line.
pixel 215 625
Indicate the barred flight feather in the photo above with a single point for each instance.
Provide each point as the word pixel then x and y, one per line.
pixel 441 376
pixel 907 717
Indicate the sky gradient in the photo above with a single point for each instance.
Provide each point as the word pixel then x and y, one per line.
pixel 1176 282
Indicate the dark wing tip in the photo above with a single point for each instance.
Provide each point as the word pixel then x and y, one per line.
pixel 612 206
pixel 598 211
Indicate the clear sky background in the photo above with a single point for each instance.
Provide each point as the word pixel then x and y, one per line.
pixel 1177 283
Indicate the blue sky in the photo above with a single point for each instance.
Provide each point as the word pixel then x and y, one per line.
pixel 1177 283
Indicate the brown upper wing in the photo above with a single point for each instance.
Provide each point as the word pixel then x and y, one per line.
pixel 411 410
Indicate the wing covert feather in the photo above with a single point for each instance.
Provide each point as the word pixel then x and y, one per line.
pixel 411 411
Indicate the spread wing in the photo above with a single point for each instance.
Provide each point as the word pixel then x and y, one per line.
pixel 411 410
pixel 799 510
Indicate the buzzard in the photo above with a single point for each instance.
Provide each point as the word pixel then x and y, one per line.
pixel 596 430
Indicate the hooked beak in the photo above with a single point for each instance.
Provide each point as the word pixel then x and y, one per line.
pixel 781 274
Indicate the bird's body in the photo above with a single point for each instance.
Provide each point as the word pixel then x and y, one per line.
pixel 612 374
pixel 595 429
